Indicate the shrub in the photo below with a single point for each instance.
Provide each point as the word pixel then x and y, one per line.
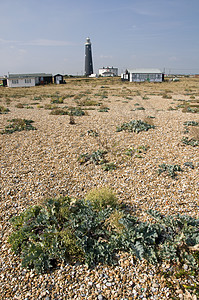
pixel 18 125
pixel 57 99
pixel 102 198
pixel 59 111
pixel 103 109
pixel 166 96
pixel 76 111
pixel 88 102
pixel 73 111
pixel 135 126
pixel 3 110
pixel 19 105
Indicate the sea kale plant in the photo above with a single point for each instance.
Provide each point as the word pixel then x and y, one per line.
pixel 96 157
pixel 95 229
pixel 169 169
pixel 135 126
pixel 18 125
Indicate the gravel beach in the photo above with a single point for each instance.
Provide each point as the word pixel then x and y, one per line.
pixel 43 163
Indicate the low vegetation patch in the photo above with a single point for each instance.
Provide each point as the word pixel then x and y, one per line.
pixel 136 151
pixel 190 106
pixel 97 157
pixel 57 100
pixel 191 142
pixel 73 111
pixel 18 125
pixel 95 230
pixel 93 133
pixel 3 110
pixel 170 170
pixel 135 126
pixel 103 108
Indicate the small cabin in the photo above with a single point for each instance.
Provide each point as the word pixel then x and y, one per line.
pixel 3 81
pixel 59 79
pixel 28 80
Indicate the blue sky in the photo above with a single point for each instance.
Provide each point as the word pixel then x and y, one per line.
pixel 49 35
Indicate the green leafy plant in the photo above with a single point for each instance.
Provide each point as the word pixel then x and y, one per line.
pixel 169 169
pixel 135 126
pixel 96 157
pixel 18 125
pixel 191 123
pixel 192 142
pixel 92 132
pixel 94 230
pixel 109 166
pixel 140 108
pixel 139 150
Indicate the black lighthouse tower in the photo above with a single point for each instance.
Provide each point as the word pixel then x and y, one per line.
pixel 88 58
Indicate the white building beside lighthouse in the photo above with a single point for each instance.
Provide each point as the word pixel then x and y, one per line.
pixel 108 71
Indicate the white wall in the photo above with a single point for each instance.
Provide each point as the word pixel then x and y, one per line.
pixel 145 77
pixel 112 70
pixel 21 82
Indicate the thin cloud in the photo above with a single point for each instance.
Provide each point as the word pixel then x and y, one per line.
pixel 106 56
pixel 37 42
pixel 48 43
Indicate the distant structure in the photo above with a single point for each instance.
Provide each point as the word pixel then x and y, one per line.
pixel 141 75
pixel 59 79
pixel 88 58
pixel 28 80
pixel 108 72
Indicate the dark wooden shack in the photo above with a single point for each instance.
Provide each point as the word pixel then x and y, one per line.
pixel 59 79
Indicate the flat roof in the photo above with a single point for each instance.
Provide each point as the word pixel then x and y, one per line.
pixel 145 71
pixel 28 75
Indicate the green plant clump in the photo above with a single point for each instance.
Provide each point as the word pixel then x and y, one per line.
pixel 109 166
pixel 97 157
pixel 135 126
pixel 169 169
pixel 73 111
pixel 4 110
pixel 93 133
pixel 95 230
pixel 57 99
pixel 192 142
pixel 104 109
pixel 18 125
pixel 191 123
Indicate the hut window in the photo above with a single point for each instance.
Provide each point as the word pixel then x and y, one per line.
pixel 15 81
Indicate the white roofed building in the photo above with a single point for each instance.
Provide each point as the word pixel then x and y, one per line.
pixel 108 71
pixel 141 75
pixel 28 80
